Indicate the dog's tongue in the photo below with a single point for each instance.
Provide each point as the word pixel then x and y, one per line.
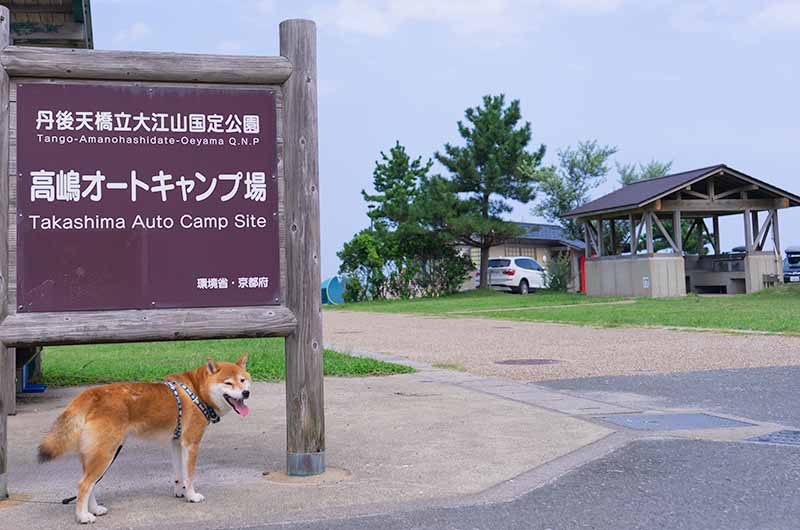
pixel 240 407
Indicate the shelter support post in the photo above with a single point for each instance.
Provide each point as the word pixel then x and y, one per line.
pixel 648 227
pixel 665 233
pixel 7 356
pixel 717 249
pixel 700 236
pixel 748 227
pixel 586 250
pixel 592 238
pixel 748 231
pixel 612 226
pixel 763 232
pixel 305 422
pixel 634 239
pixel 601 251
pixel 676 231
pixel 756 226
pixel 776 236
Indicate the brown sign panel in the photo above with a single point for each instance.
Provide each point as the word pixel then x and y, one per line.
pixel 145 197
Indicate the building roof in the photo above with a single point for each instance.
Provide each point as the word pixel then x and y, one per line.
pixel 50 23
pixel 640 193
pixel 544 232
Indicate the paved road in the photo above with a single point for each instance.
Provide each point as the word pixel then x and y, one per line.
pixel 765 394
pixel 648 485
pixel 652 484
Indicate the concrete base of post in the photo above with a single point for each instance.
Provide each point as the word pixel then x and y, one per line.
pixel 305 464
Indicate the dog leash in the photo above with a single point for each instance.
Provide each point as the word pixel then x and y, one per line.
pixel 70 499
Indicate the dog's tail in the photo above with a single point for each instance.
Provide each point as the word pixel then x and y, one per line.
pixel 64 435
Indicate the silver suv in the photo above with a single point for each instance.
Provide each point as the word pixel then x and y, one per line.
pixel 518 274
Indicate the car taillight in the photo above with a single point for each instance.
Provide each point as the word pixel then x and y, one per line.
pixel 509 272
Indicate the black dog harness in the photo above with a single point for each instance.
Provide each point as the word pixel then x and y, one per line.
pixel 208 411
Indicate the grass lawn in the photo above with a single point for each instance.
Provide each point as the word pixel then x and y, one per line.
pixel 775 310
pixel 477 300
pixel 149 361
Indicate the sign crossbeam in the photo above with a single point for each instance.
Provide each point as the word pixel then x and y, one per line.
pixel 27 61
pixel 81 327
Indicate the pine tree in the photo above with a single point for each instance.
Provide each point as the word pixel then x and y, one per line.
pixel 490 169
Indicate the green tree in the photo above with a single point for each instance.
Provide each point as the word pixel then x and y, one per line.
pixel 630 173
pixel 396 180
pixel 362 260
pixel 404 253
pixel 580 170
pixel 490 169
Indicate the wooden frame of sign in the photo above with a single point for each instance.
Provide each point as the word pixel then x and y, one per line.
pixel 296 315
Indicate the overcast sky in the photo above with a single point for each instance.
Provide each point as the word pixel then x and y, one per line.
pixel 697 82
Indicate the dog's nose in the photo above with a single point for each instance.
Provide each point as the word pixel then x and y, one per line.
pixel 245 394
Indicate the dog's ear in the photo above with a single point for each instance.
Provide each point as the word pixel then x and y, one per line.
pixel 211 366
pixel 242 361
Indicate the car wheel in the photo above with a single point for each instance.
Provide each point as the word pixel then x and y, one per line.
pixel 523 287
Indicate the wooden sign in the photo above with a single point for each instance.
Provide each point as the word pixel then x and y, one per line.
pixel 163 196
pixel 140 197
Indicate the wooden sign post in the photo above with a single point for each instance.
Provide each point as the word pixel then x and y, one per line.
pixel 7 356
pixel 160 196
pixel 305 434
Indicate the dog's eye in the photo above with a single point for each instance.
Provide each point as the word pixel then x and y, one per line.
pixel 242 380
pixel 228 383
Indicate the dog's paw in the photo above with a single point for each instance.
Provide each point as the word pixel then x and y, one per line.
pixel 85 518
pixel 99 510
pixel 195 497
pixel 180 490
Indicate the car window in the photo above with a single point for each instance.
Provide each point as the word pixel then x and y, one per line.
pixel 499 262
pixel 530 264
pixel 794 259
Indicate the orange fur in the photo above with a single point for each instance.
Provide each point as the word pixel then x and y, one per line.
pixel 98 420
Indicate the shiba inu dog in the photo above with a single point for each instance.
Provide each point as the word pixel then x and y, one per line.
pixel 175 412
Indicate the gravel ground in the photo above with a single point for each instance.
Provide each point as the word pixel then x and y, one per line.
pixel 477 345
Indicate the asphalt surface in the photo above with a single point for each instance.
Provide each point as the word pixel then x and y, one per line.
pixel 646 485
pixel 652 484
pixel 765 394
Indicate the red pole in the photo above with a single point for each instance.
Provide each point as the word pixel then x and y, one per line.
pixel 583 274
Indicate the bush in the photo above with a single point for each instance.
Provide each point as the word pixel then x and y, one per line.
pixel 558 274
pixel 444 276
pixel 363 263
pixel 401 281
pixel 354 290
